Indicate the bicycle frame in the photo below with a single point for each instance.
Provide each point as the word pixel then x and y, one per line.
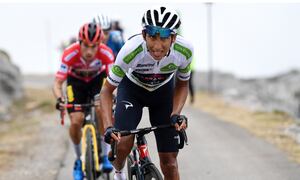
pixel 83 145
pixel 141 159
pixel 141 156
pixel 89 124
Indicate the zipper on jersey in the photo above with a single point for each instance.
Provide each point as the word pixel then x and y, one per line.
pixel 156 68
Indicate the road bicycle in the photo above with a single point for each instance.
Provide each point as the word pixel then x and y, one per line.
pixel 90 142
pixel 139 164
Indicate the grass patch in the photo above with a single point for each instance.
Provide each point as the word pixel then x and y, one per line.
pixel 267 125
pixel 21 130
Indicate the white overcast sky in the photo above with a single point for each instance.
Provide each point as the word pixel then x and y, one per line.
pixel 249 39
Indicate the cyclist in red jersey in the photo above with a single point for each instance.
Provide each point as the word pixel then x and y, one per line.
pixel 84 66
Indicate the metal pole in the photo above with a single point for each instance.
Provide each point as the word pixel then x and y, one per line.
pixel 209 47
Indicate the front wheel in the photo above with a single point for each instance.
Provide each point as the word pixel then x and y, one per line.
pixel 90 170
pixel 134 171
pixel 129 165
pixel 152 173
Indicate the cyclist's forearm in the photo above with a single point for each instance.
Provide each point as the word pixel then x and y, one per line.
pixel 106 98
pixel 180 96
pixel 106 109
pixel 57 88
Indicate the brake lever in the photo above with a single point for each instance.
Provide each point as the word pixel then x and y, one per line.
pixel 185 137
pixel 62 117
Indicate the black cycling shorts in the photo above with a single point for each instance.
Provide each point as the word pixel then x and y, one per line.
pixel 80 92
pixel 131 99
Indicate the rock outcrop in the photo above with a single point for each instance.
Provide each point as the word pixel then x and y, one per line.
pixel 280 92
pixel 10 84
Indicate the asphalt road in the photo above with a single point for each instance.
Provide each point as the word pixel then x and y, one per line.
pixel 218 150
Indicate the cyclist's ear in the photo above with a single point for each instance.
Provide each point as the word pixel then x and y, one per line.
pixel 144 34
pixel 173 37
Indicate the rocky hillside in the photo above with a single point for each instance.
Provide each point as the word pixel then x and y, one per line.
pixel 10 83
pixel 280 92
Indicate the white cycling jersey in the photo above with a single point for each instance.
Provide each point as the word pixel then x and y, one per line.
pixel 138 65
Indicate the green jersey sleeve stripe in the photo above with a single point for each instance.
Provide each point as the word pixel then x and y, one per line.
pixel 186 69
pixel 183 50
pixel 127 59
pixel 117 70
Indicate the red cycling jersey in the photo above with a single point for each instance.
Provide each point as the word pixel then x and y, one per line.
pixel 74 65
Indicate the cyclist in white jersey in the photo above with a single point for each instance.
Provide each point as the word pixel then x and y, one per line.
pixel 144 73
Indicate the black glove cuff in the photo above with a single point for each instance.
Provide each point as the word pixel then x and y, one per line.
pixel 107 134
pixel 174 119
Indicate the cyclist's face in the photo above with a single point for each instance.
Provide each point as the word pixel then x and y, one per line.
pixel 158 47
pixel 88 51
pixel 106 36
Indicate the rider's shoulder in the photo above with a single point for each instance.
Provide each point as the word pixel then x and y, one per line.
pixel 71 52
pixel 183 47
pixel 133 46
pixel 73 46
pixel 104 46
pixel 106 51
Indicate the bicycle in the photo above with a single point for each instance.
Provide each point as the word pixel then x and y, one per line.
pixel 139 164
pixel 90 141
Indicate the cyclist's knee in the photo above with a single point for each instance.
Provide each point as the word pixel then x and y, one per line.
pixel 169 165
pixel 77 118
pixel 168 161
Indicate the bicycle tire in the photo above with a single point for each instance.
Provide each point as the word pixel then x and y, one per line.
pixel 106 176
pixel 89 157
pixel 151 172
pixel 133 174
pixel 129 164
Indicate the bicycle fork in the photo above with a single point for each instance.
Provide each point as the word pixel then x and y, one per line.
pixel 95 145
pixel 142 148
pixel 140 156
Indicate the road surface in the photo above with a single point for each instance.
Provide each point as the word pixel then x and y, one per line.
pixel 218 150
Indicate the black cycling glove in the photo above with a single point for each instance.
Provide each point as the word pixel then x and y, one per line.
pixel 108 132
pixel 58 106
pixel 178 119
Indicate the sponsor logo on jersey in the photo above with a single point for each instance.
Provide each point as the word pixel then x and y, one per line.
pixel 96 63
pixel 145 65
pixel 70 93
pixel 127 104
pixel 169 67
pixel 117 70
pixel 63 68
pixel 71 55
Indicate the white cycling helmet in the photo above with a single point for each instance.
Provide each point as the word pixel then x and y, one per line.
pixel 103 20
pixel 161 17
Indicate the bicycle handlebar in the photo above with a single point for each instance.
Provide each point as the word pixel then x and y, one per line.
pixel 143 131
pixel 140 132
pixel 80 105
pixel 76 106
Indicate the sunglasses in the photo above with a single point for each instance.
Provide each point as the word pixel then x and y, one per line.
pixel 163 32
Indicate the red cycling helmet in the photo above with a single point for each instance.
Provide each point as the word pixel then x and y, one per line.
pixel 90 33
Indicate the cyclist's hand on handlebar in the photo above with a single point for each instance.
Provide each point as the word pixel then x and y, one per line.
pixel 60 104
pixel 112 134
pixel 179 121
